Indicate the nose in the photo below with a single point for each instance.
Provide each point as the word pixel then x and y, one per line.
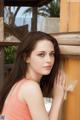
pixel 48 59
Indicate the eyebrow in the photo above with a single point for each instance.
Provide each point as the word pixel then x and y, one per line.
pixel 45 51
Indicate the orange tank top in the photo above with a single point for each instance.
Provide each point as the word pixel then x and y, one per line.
pixel 15 109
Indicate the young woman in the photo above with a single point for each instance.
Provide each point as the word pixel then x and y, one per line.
pixel 35 74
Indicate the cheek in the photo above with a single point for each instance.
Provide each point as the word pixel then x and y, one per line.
pixel 36 62
pixel 36 65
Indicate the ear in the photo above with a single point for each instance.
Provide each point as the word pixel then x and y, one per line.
pixel 28 60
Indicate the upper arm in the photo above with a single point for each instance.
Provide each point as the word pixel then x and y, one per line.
pixel 33 97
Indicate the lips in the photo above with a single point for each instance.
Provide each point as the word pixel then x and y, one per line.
pixel 48 67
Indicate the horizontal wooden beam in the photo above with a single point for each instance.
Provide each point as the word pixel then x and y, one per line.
pixel 4 44
pixel 26 2
pixel 71 38
pixel 10 41
pixel 70 50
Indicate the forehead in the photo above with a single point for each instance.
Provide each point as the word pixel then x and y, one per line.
pixel 43 45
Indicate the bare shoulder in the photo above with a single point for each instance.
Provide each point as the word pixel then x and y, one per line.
pixel 32 95
pixel 30 88
pixel 30 85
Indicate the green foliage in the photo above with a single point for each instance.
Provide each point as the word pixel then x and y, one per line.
pixel 9 53
pixel 51 10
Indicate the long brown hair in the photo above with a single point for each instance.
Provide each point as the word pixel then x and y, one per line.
pixel 20 66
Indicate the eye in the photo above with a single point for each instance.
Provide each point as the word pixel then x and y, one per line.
pixel 41 54
pixel 52 54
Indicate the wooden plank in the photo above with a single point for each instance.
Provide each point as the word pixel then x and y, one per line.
pixel 10 41
pixel 16 31
pixel 1 28
pixel 68 39
pixel 70 50
pixel 74 19
pixel 64 15
pixel 4 44
pixel 1 50
pixel 1 10
pixel 26 2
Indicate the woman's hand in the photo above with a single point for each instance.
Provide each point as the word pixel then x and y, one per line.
pixel 59 87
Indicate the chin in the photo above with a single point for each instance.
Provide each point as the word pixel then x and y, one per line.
pixel 46 73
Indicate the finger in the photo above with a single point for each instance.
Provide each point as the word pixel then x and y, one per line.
pixel 58 78
pixel 62 78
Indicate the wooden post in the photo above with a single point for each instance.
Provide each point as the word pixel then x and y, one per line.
pixel 70 21
pixel 1 49
pixel 34 19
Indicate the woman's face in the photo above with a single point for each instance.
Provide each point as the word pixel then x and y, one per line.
pixel 42 58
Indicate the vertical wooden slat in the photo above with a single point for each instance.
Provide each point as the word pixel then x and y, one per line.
pixel 1 8
pixel 64 15
pixel 74 19
pixel 1 49
pixel 1 28
pixel 69 16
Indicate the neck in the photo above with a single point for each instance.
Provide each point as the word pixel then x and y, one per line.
pixel 33 76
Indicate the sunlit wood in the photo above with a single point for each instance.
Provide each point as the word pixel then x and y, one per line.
pixel 68 38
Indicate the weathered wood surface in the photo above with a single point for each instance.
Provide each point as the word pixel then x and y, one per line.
pixel 69 42
pixel 70 50
pixel 1 49
pixel 18 32
pixel 10 41
pixel 68 39
pixel 1 28
pixel 26 2
pixel 1 64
